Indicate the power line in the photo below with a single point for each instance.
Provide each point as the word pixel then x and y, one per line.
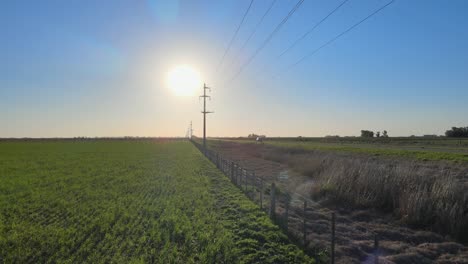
pixel 255 28
pixel 268 39
pixel 234 36
pixel 312 29
pixel 336 37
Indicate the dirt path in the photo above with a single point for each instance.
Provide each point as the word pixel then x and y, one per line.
pixel 355 229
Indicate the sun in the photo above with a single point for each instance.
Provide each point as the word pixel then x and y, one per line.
pixel 183 80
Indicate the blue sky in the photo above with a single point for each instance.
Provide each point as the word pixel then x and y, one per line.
pixel 97 68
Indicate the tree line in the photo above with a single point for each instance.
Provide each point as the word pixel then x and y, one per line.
pixel 370 134
pixel 457 132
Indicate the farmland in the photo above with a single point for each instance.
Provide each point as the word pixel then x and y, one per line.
pixel 432 149
pixel 128 202
pixel 416 207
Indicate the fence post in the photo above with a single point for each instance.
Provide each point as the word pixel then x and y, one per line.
pixel 238 178
pixel 237 175
pixel 376 250
pixel 273 201
pixel 261 192
pixel 333 239
pixel 254 185
pixel 241 175
pixel 239 172
pixel 232 171
pixel 286 217
pixel 217 160
pixel 304 224
pixel 244 178
pixel 244 172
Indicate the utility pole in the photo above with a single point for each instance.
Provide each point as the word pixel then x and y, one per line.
pixel 204 112
pixel 190 130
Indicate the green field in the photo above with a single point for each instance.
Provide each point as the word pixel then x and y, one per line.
pixel 454 150
pixel 127 202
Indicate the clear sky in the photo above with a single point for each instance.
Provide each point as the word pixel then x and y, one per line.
pixel 98 68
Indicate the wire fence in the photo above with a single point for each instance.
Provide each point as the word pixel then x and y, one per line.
pixel 289 210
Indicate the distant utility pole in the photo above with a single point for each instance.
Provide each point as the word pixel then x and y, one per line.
pixel 190 130
pixel 204 112
pixel 189 133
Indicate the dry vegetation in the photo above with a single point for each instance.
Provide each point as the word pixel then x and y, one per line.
pixel 418 209
pixel 425 195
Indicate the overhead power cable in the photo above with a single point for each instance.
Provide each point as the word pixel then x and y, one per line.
pixel 335 38
pixel 234 36
pixel 268 39
pixel 258 24
pixel 312 29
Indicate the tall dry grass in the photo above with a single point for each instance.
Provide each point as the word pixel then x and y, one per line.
pixel 427 195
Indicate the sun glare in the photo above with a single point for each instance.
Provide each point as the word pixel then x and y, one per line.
pixel 183 80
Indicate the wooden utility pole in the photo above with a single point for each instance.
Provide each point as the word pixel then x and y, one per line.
pixel 204 112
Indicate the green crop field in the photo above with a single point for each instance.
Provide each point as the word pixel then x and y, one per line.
pixel 453 150
pixel 128 202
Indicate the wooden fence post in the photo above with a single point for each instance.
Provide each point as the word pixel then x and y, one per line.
pixel 286 215
pixel 239 171
pixel 246 181
pixel 236 166
pixel 376 250
pixel 254 185
pixel 304 224
pixel 241 175
pixel 261 192
pixel 238 182
pixel 244 174
pixel 232 171
pixel 333 239
pixel 272 201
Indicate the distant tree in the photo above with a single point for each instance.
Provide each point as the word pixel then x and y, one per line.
pixel 457 132
pixel 377 134
pixel 385 134
pixel 252 135
pixel 367 133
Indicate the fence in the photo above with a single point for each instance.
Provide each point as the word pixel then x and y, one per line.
pixel 287 209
